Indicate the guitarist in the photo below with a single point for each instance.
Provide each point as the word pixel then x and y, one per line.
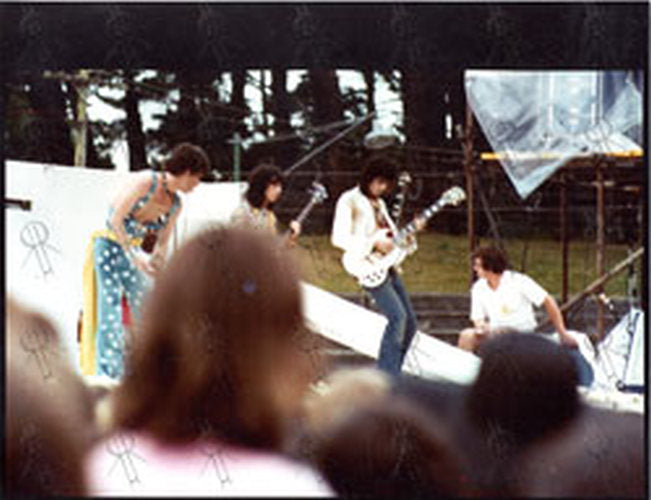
pixel 360 223
pixel 265 188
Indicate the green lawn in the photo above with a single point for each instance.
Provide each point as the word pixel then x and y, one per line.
pixel 441 264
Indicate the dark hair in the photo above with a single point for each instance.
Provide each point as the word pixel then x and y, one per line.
pixel 571 463
pixel 259 179
pixel 49 416
pixel 390 450
pixel 492 259
pixel 377 167
pixel 537 387
pixel 217 350
pixel 188 157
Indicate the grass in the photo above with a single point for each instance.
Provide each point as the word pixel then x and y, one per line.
pixel 442 264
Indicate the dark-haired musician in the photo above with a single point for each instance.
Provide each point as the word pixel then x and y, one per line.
pixel 502 300
pixel 360 219
pixel 265 188
pixel 143 215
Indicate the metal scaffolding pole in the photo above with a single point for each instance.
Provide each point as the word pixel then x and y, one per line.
pixel 469 169
pixel 601 241
pixel 564 234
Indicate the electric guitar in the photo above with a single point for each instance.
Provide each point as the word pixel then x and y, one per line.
pixel 371 270
pixel 318 194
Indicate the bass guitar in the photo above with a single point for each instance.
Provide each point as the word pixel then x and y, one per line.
pixel 318 194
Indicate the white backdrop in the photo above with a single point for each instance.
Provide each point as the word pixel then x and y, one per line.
pixel 45 247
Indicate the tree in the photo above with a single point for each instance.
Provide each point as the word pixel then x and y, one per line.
pixel 134 130
pixel 38 115
pixel 198 114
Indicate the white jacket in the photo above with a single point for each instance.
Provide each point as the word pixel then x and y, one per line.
pixel 354 228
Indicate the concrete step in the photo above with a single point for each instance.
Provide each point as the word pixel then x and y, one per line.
pixel 449 312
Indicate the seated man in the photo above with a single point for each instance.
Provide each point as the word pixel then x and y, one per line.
pixel 502 300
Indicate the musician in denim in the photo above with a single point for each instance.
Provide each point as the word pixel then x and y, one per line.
pixel 360 228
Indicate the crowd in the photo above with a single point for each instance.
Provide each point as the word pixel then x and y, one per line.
pixel 218 399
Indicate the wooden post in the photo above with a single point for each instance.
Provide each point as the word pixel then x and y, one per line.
pixel 601 241
pixel 469 168
pixel 237 150
pixel 564 234
pixel 81 125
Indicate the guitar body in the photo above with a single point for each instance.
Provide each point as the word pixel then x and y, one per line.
pixel 371 270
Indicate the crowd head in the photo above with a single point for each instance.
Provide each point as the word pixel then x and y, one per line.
pixel 49 413
pixel 217 351
pixel 526 387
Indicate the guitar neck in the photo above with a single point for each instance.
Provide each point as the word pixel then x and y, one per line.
pixel 305 212
pixel 427 214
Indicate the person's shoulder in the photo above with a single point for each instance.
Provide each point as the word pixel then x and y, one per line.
pixel 241 207
pixel 524 280
pixel 479 285
pixel 349 195
pixel 353 191
pixel 512 275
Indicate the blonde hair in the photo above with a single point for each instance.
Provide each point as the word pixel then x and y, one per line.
pixel 344 391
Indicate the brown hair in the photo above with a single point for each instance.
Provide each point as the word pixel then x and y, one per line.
pixel 259 180
pixel 217 352
pixel 537 380
pixel 390 450
pixel 188 157
pixel 49 412
pixel 492 259
pixel 346 390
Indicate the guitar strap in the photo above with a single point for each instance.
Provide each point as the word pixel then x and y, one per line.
pixel 380 219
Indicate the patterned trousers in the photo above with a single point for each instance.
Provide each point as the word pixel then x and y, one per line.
pixel 115 275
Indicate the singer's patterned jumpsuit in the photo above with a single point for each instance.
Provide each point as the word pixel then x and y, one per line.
pixel 116 274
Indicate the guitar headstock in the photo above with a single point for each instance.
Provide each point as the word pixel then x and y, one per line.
pixel 453 196
pixel 318 192
pixel 404 179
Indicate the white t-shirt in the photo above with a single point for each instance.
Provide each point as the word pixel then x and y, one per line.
pixel 510 305
pixel 134 464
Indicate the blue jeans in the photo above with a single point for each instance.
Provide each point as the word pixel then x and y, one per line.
pixel 583 369
pixel 115 274
pixel 393 301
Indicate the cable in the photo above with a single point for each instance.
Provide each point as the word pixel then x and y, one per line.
pixel 329 142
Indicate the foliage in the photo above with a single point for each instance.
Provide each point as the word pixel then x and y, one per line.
pixel 442 264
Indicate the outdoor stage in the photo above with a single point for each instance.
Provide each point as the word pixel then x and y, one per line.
pixel 46 244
